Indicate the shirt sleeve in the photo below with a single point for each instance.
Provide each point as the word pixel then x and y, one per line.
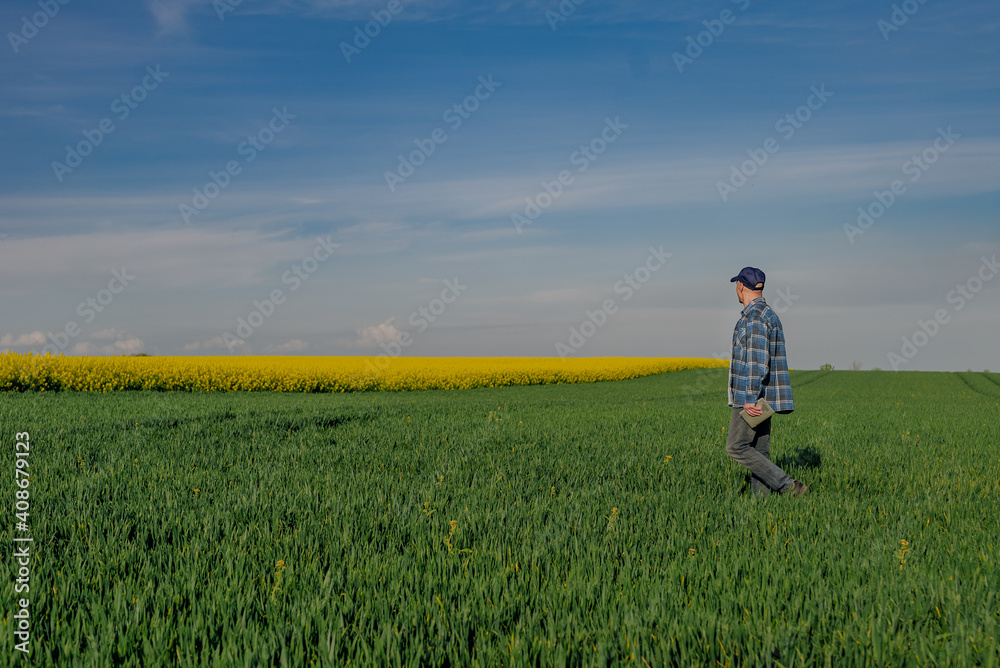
pixel 758 359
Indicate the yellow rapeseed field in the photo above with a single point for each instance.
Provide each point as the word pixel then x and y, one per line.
pixel 320 374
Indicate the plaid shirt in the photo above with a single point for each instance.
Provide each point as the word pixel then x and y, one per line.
pixel 758 367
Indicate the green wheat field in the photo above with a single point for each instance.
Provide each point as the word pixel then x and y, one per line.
pixel 599 524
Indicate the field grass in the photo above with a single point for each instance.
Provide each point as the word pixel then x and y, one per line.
pixel 598 524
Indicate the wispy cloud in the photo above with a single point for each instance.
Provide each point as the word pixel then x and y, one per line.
pixel 121 343
pixel 325 175
pixel 287 348
pixel 171 15
pixel 375 335
pixel 36 338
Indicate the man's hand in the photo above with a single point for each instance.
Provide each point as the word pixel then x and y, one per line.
pixel 752 410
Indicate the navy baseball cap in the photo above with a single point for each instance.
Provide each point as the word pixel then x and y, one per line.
pixel 750 277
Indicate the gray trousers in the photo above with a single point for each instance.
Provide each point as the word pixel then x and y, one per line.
pixel 750 448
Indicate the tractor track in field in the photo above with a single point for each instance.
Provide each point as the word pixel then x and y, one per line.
pixel 990 378
pixel 981 393
pixel 813 379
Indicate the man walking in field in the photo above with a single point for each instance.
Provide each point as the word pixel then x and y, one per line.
pixel 758 369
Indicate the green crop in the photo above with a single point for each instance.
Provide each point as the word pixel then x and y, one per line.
pixel 598 524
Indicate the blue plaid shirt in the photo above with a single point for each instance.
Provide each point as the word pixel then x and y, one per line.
pixel 758 367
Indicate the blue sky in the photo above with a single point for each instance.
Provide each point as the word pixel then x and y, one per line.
pixel 594 85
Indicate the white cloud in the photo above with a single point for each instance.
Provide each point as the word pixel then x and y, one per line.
pixel 32 339
pixel 215 343
pixel 168 258
pixel 524 12
pixel 171 15
pixel 374 335
pixel 643 178
pixel 122 343
pixel 293 346
pixel 85 348
pixel 111 333
pixel 655 176
pixel 126 346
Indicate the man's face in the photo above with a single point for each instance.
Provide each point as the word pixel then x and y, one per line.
pixel 739 292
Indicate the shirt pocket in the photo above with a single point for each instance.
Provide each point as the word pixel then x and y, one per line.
pixel 741 338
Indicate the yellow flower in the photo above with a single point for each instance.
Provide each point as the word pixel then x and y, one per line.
pixel 321 374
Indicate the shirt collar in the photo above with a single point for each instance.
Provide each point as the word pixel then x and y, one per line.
pixel 753 304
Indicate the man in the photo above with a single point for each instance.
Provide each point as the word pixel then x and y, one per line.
pixel 758 369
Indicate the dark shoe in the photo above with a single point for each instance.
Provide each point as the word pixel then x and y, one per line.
pixel 797 489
